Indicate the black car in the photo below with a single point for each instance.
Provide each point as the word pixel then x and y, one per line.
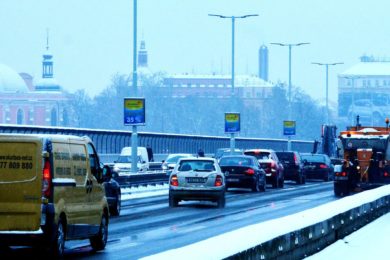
pixel 318 166
pixel 226 151
pixel 243 171
pixel 293 166
pixel 113 192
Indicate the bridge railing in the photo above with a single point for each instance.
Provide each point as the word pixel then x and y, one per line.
pixel 112 141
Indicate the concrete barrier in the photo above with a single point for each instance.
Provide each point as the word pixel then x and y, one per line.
pixel 311 239
pixel 291 237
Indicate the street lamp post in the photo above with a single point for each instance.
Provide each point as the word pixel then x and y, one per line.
pixel 232 141
pixel 327 73
pixel 289 45
pixel 134 135
pixel 233 22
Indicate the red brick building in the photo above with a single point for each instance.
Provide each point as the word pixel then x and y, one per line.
pixel 26 102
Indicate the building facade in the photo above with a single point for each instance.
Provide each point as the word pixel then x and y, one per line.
pixel 25 102
pixel 364 90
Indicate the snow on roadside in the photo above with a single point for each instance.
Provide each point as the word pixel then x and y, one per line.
pixel 247 237
pixel 144 191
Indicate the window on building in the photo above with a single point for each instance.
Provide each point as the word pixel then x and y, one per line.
pixel 377 83
pixel 384 83
pixel 65 117
pixel 368 83
pixel 364 83
pixel 31 116
pixel 19 117
pixel 53 117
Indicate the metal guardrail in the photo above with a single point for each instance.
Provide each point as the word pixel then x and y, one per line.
pixel 141 179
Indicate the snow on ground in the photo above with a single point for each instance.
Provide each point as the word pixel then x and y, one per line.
pixel 250 236
pixel 369 242
pixel 144 191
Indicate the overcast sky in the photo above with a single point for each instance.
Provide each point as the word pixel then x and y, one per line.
pixel 92 40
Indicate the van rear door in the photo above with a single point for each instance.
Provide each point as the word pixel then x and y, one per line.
pixel 20 183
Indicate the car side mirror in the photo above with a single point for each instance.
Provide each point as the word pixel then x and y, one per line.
pixel 106 174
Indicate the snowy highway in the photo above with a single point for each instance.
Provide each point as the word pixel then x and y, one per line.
pixel 148 226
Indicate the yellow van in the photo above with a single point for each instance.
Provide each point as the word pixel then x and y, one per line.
pixel 51 191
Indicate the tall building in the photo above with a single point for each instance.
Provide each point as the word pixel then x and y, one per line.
pixel 263 62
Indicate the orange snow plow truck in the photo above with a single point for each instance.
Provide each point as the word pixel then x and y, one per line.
pixel 366 164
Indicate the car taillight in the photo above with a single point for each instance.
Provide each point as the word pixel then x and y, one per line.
pixel 218 181
pixel 323 166
pixel 295 159
pixel 342 174
pixel 250 171
pixel 46 180
pixel 386 174
pixel 174 181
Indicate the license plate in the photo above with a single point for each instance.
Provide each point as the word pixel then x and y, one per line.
pixel 196 180
pixel 233 180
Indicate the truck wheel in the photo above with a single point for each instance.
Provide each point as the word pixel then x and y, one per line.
pixel 99 241
pixel 58 244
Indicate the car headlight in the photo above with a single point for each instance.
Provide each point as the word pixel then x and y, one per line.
pixel 164 167
pixel 116 169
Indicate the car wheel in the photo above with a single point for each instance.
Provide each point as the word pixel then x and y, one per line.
pixel 299 179
pixel 221 201
pixel 327 178
pixel 173 202
pixel 99 241
pixel 275 182
pixel 256 186
pixel 58 243
pixel 116 209
pixel 281 182
pixel 263 186
pixel 340 190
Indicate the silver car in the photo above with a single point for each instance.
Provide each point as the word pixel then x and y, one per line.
pixel 197 179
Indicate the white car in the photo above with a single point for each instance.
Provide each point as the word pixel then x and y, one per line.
pixel 169 164
pixel 197 179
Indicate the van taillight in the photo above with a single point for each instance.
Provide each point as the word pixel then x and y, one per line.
pixel 46 180
pixel 174 181
pixel 323 166
pixel 218 181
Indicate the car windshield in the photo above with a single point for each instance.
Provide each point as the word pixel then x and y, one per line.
pixel 259 155
pixel 285 156
pixel 235 161
pixel 197 165
pixel 126 159
pixel 314 158
pixel 175 158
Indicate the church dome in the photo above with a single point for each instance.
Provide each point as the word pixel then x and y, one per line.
pixel 11 81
